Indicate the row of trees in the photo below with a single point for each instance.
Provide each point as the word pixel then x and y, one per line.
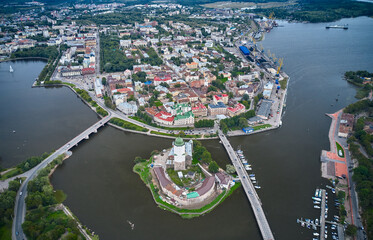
pixel 363 176
pixel 204 123
pixel 7 201
pixel 48 52
pixel 239 121
pixel 145 117
pixel 364 105
pixel 127 125
pixel 32 162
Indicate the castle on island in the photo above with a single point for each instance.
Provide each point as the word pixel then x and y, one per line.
pixel 183 183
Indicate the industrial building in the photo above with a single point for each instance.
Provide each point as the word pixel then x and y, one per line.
pixel 264 109
pixel 244 50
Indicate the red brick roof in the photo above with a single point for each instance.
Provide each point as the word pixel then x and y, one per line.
pixel 237 108
pixel 165 116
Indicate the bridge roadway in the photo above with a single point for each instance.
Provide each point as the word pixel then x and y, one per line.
pixel 251 194
pixel 20 205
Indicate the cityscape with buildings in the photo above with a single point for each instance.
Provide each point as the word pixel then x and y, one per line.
pixel 183 73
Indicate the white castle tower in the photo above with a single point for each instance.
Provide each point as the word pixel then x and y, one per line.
pixel 179 154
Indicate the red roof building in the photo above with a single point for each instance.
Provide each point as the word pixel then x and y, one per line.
pixel 234 111
pixel 86 71
pixel 164 118
pixel 199 110
pixel 220 98
pixel 158 80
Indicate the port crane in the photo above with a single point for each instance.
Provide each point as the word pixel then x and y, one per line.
pixel 261 48
pixel 281 62
pixel 271 16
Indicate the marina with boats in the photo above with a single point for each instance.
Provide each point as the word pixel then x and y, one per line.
pixel 248 167
pixel 320 201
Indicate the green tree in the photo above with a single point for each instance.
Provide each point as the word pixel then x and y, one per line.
pixel 213 167
pixel 230 169
pixel 104 81
pixel 242 122
pixel 206 157
pixel 14 185
pixel 351 230
pixel 138 159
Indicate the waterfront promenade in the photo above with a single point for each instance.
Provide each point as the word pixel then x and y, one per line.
pixel 333 166
pixel 250 192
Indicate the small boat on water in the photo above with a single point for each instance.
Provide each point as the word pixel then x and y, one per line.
pixel 316 202
pixel 345 27
pixel 11 69
pixel 316 206
pixel 131 224
pixel 316 199
pixel 257 187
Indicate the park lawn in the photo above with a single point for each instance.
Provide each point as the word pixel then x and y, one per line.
pixel 6 232
pixel 261 126
pixel 175 177
pixel 11 173
pixel 339 147
pixel 283 83
pixel 69 84
pixel 127 125
pixel 137 119
pixel 60 196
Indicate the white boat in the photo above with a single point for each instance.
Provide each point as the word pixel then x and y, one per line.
pixel 316 206
pixel 316 199
pixel 11 69
pixel 316 234
pixel 248 168
pixel 316 202
pixel 253 178
pixel 257 187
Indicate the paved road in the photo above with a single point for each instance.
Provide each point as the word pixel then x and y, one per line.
pixel 250 192
pixel 352 191
pixel 20 206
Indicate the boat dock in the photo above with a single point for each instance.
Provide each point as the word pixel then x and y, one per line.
pixel 249 188
pixel 322 217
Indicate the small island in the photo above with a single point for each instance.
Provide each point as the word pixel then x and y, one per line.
pixel 184 179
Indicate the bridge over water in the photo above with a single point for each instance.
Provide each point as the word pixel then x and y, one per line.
pixel 20 205
pixel 250 192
